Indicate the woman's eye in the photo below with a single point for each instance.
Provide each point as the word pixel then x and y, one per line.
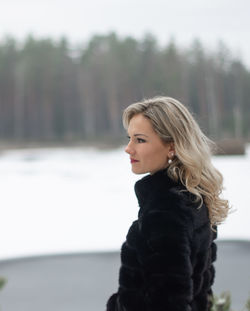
pixel 140 140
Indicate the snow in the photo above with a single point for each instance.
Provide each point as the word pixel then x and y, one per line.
pixel 59 200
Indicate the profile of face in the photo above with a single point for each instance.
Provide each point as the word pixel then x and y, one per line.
pixel 148 153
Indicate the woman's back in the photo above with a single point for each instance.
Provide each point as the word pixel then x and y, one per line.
pixel 168 254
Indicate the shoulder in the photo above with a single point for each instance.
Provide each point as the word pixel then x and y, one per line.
pixel 159 188
pixel 169 213
pixel 167 204
pixel 174 200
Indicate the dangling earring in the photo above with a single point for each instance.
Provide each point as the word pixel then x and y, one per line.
pixel 170 160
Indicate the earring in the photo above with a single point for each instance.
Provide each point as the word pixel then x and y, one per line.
pixel 170 160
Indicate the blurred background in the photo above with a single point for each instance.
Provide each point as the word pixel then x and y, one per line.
pixel 67 71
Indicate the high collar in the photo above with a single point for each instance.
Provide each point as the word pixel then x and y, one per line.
pixel 151 185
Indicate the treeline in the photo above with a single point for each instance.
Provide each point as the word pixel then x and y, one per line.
pixel 50 91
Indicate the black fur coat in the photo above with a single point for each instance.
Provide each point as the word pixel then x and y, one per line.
pixel 167 258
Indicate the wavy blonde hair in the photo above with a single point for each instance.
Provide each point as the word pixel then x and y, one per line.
pixel 192 164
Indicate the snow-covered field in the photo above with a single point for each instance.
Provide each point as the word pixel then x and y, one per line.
pixel 81 199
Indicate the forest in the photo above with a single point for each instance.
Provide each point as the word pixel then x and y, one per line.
pixel 51 91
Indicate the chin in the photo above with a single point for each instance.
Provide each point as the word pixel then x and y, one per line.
pixel 139 172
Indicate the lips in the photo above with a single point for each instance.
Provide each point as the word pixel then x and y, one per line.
pixel 133 160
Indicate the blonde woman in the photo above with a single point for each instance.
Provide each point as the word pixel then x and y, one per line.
pixel 167 258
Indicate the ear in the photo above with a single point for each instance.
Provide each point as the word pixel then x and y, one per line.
pixel 172 147
pixel 170 150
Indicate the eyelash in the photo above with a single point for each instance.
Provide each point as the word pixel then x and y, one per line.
pixel 139 140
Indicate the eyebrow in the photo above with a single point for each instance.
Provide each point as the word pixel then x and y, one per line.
pixel 140 135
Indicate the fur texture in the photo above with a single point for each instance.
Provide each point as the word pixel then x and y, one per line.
pixel 167 258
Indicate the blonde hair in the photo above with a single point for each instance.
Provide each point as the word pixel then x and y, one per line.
pixel 192 162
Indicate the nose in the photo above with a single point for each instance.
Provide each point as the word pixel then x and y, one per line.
pixel 128 148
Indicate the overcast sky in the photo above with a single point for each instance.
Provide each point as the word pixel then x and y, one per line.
pixel 209 20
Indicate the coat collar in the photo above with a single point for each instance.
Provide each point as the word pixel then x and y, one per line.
pixel 151 185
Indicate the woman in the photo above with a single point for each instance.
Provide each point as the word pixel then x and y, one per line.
pixel 167 258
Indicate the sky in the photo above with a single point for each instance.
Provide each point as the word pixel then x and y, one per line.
pixel 208 20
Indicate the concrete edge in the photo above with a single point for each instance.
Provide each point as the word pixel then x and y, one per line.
pixel 246 243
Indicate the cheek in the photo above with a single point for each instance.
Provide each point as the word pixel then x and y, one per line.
pixel 156 157
pixel 152 154
pixel 161 158
pixel 159 155
pixel 148 154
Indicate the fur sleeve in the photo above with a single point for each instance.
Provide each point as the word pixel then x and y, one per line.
pixel 165 259
pixel 129 296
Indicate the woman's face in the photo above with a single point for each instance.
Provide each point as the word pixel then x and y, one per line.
pixel 148 154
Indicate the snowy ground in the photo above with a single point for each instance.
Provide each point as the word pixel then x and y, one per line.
pixel 80 199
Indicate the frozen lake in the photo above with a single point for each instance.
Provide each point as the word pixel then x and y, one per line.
pixel 60 200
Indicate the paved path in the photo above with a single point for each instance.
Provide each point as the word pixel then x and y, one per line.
pixel 83 282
